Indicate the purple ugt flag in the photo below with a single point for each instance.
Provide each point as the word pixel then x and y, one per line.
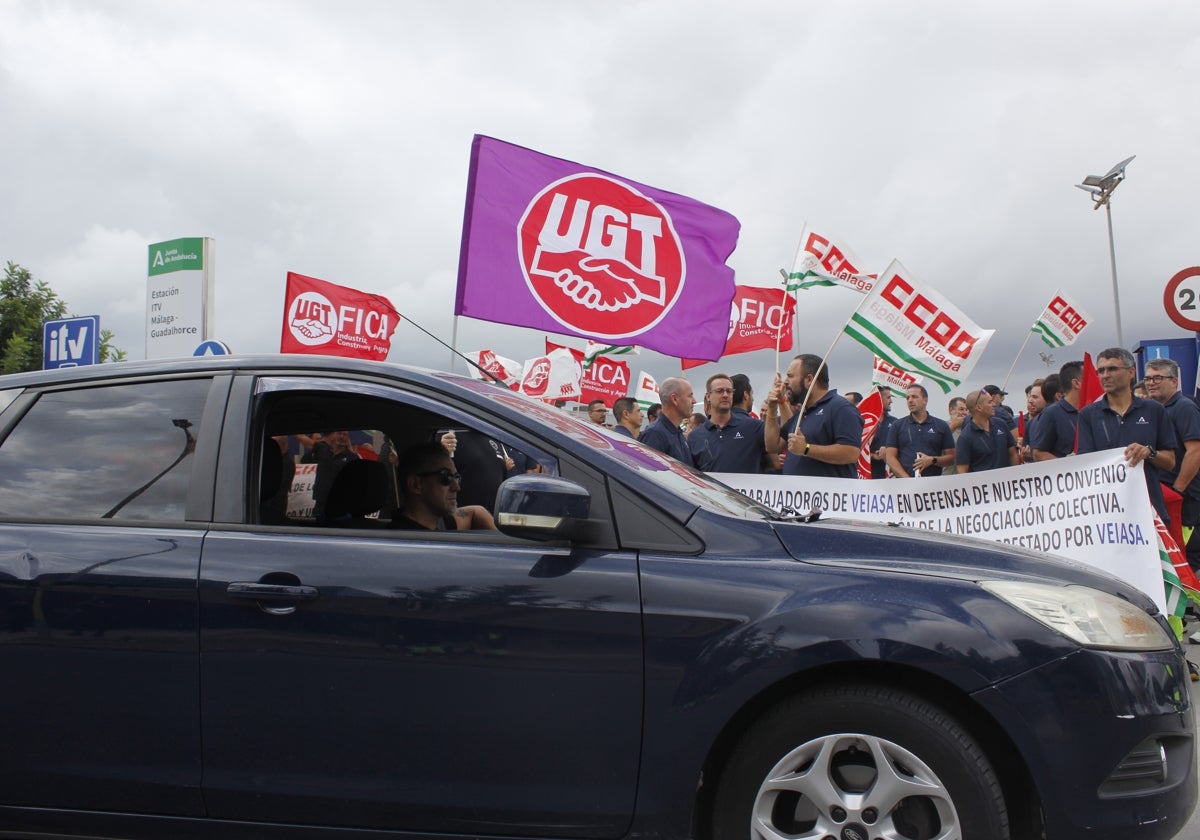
pixel 557 246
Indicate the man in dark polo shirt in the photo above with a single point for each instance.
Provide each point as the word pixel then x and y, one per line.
pixel 829 436
pixel 665 434
pixel 1120 420
pixel 919 444
pixel 1056 430
pixel 730 441
pixel 1162 383
pixel 629 417
pixel 985 442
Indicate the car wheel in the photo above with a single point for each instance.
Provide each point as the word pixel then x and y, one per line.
pixel 858 762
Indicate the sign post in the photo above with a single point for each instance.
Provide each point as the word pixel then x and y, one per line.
pixel 71 342
pixel 178 292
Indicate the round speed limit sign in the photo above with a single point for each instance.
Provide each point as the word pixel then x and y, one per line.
pixel 1181 298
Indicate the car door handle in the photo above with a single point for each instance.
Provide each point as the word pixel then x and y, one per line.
pixel 271 591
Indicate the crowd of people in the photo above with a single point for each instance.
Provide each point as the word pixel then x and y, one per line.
pixel 805 427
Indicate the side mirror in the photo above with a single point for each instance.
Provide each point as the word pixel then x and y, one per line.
pixel 542 507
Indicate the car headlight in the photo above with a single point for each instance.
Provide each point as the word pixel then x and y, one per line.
pixel 1088 616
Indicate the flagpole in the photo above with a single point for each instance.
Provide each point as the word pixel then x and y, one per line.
pixel 453 342
pixel 1004 384
pixel 829 352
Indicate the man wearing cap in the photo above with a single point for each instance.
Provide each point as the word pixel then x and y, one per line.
pixel 1003 412
pixel 1121 420
pixel 985 443
pixel 1056 431
pixel 919 444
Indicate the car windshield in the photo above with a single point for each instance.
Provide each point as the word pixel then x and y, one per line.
pixel 697 487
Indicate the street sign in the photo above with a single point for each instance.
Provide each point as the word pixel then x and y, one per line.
pixel 212 348
pixel 71 342
pixel 1181 298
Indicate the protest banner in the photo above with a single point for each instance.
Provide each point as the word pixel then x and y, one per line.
pixel 914 327
pixel 558 246
pixel 1093 509
pixel 328 319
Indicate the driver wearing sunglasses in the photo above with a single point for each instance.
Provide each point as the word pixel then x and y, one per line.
pixel 429 482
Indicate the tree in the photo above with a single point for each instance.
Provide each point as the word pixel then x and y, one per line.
pixel 24 305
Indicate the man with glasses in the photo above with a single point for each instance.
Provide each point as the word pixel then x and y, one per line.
pixel 1119 419
pixel 597 412
pixel 430 483
pixel 1162 383
pixel 730 441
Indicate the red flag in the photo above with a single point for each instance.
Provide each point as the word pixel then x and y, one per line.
pixel 605 379
pixel 871 408
pixel 758 317
pixel 330 320
pixel 1090 388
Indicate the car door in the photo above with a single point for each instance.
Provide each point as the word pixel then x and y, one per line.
pixel 102 514
pixel 449 682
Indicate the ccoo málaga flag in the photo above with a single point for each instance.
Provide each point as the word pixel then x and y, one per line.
pixel 331 320
pixel 561 247
pixel 823 261
pixel 915 328
pixel 1061 321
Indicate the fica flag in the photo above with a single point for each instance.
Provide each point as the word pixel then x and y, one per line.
pixel 759 319
pixel 915 328
pixel 1061 321
pixel 331 320
pixel 561 247
pixel 823 261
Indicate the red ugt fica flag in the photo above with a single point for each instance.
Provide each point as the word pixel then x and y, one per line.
pixel 561 247
pixel 331 320
pixel 759 319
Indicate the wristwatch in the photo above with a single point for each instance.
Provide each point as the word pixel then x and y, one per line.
pixel 807 446
pixel 1153 454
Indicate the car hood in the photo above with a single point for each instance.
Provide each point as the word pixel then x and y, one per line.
pixel 904 550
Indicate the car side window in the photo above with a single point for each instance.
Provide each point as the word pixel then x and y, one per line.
pixel 330 459
pixel 119 452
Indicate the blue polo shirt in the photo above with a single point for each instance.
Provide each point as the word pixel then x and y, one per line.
pixel 1185 418
pixel 879 468
pixel 667 438
pixel 1054 431
pixel 736 447
pixel 1146 422
pixel 621 430
pixel 984 450
pixel 932 437
pixel 832 419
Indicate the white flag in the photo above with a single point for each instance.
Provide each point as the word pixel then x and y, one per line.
pixel 915 328
pixel 554 376
pixel 506 370
pixel 823 261
pixel 887 375
pixel 646 392
pixel 1061 321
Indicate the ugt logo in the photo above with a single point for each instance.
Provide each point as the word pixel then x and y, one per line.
pixel 600 257
pixel 311 319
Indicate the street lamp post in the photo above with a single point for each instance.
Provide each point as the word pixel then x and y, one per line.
pixel 1101 188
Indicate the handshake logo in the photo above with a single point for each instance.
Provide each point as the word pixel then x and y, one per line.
pixel 310 319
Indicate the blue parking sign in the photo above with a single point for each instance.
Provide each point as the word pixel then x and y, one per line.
pixel 71 342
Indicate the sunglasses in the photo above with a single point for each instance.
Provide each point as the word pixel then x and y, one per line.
pixel 444 476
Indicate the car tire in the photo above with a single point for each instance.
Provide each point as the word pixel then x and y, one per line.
pixel 858 762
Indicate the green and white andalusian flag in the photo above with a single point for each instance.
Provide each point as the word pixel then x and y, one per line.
pixel 915 328
pixel 593 351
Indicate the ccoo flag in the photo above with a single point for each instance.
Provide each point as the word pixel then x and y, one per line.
pixel 561 247
pixel 1061 321
pixel 915 328
pixel 823 261
pixel 327 319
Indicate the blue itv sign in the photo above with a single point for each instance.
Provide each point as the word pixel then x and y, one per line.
pixel 71 342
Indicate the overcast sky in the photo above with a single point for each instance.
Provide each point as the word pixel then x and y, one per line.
pixel 332 139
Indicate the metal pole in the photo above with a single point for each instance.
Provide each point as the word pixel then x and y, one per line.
pixel 1112 254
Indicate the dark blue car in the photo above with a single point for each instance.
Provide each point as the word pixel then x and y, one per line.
pixel 209 628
